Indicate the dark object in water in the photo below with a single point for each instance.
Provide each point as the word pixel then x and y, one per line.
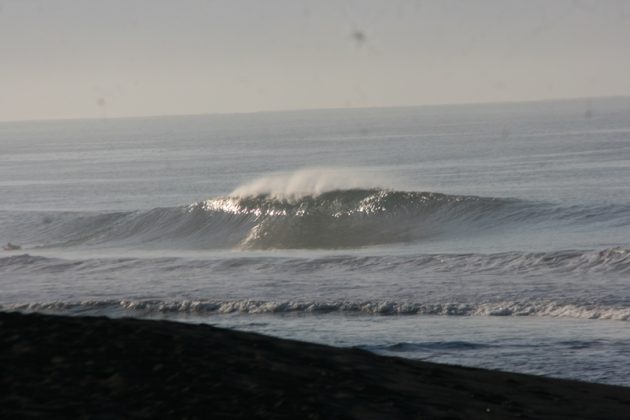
pixel 11 247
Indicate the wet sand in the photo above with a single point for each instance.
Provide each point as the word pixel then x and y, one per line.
pixel 99 368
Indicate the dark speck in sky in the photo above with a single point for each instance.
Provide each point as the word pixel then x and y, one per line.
pixel 359 38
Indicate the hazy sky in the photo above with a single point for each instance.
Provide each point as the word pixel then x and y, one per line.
pixel 92 58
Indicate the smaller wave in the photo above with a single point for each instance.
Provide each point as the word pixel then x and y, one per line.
pixel 564 262
pixel 23 260
pixel 429 346
pixel 458 346
pixel 384 308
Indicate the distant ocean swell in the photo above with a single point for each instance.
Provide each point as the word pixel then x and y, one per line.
pixel 335 219
pixel 208 307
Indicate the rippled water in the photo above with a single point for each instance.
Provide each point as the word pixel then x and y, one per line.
pixel 488 235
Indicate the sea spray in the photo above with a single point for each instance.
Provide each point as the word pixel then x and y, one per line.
pixel 315 181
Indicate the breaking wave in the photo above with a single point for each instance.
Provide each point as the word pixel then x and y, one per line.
pixel 349 218
pixel 332 219
pixel 141 308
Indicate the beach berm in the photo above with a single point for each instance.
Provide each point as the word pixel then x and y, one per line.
pixel 102 368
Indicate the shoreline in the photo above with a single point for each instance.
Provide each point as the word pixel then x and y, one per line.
pixel 96 367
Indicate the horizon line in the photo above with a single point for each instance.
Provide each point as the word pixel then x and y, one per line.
pixel 315 109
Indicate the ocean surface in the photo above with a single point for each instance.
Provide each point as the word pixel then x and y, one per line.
pixel 485 235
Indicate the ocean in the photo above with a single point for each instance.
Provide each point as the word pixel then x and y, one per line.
pixel 493 235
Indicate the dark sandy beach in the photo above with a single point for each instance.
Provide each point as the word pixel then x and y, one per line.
pixel 80 367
